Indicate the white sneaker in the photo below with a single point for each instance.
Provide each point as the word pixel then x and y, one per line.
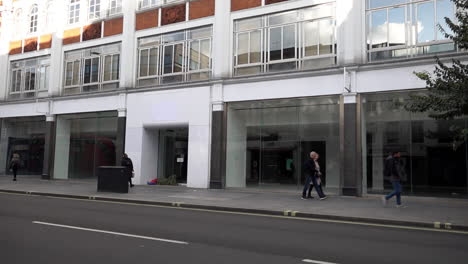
pixel 384 201
pixel 401 206
pixel 323 198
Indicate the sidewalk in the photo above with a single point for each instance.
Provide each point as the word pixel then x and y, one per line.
pixel 421 211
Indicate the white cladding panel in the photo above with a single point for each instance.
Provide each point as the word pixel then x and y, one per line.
pixel 149 111
pixel 287 88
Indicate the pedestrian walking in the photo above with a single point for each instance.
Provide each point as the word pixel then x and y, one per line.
pixel 393 170
pixel 128 164
pixel 15 164
pixel 313 177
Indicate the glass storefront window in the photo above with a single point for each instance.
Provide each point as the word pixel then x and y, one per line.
pixel 24 136
pixel 268 141
pixel 429 161
pixel 83 143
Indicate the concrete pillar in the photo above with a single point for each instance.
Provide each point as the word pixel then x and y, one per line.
pixel 218 147
pixel 49 148
pixel 350 23
pixel 120 141
pixel 350 141
pixel 128 54
pixel 222 36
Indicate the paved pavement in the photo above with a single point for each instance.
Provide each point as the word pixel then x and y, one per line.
pixel 38 229
pixel 428 212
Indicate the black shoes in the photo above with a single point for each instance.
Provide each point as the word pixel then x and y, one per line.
pixel 131 185
pixel 14 179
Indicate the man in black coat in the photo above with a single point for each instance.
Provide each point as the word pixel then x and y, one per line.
pixel 392 169
pixel 128 164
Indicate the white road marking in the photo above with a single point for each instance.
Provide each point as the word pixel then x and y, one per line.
pixel 260 215
pixel 112 233
pixel 316 261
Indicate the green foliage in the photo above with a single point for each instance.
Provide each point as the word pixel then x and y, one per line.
pixel 447 96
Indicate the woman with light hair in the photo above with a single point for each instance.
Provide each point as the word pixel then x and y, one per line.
pixel 313 177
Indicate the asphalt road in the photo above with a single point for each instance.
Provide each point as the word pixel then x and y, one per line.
pixel 37 229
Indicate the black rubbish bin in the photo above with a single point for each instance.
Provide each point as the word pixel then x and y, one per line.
pixel 112 179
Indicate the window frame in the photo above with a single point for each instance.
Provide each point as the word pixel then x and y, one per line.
pixel 412 44
pixel 74 8
pixel 97 11
pixel 80 57
pixel 114 10
pixel 33 19
pixel 18 71
pixel 299 41
pixel 161 45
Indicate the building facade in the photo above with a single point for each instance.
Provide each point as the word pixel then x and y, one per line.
pixel 227 93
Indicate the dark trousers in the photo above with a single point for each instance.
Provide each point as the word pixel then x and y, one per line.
pixel 15 171
pixel 308 187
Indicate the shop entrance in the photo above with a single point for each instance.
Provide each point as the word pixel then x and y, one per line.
pixel 269 141
pixel 173 153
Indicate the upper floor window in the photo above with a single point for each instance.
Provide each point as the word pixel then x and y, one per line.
pixel 74 11
pixel 407 28
pixel 92 69
pixel 299 39
pixel 175 57
pixel 28 77
pixel 94 9
pixel 115 7
pixel 33 19
pixel 142 4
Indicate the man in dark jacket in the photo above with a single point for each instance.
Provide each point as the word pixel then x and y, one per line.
pixel 392 170
pixel 128 164
pixel 312 173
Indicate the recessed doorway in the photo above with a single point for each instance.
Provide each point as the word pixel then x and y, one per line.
pixel 173 153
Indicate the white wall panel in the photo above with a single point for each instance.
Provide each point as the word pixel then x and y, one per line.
pixel 288 88
pixel 154 110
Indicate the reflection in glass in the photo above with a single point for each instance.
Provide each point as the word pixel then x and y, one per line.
pixel 396 26
pixel 382 3
pixel 168 59
pixel 115 67
pixel 429 162
pixel 275 43
pixel 178 57
pixel 153 61
pixel 205 51
pixel 268 141
pixel 425 22
pixel 194 55
pixel 444 9
pixel 379 29
pixel 326 37
pixel 255 46
pixel 311 35
pixel 243 48
pixel 289 42
pixel 107 68
pixel 24 136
